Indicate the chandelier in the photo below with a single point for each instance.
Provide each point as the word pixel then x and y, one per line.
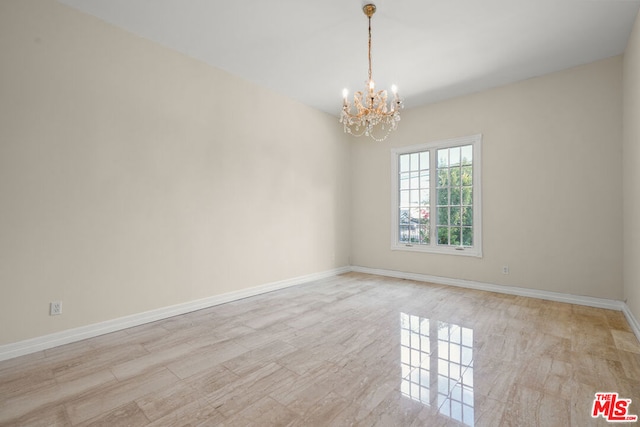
pixel 372 116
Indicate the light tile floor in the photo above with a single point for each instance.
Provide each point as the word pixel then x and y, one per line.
pixel 351 350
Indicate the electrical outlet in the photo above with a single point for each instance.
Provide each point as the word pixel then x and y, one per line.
pixel 55 308
pixel 505 269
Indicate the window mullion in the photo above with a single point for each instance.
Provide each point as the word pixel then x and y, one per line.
pixel 433 196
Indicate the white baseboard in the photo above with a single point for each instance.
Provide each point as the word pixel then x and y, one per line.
pixel 511 290
pixel 9 351
pixel 633 322
pixel 20 348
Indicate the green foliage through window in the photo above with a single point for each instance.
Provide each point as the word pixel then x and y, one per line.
pixel 455 196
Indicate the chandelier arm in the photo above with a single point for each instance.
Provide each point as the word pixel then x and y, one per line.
pixel 388 113
pixel 350 131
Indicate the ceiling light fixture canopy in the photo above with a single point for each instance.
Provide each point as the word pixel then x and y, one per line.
pixel 371 109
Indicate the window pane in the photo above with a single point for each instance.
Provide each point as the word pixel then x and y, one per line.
pixel 414 235
pixel 424 197
pixel 404 234
pixel 415 180
pixel 443 216
pixel 467 236
pixel 414 215
pixel 424 234
pixel 415 158
pixel 424 216
pixel 415 197
pixel 404 163
pixel 404 181
pixel 467 196
pixel 455 196
pixel 443 235
pixel 424 179
pixel 454 156
pixel 443 158
pixel 443 196
pixel 404 215
pixel 443 177
pixel 467 175
pixel 404 199
pixel 467 154
pixel 467 216
pixel 424 160
pixel 455 216
pixel 455 236
pixel 455 176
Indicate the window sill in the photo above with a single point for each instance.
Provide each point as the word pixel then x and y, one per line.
pixel 460 251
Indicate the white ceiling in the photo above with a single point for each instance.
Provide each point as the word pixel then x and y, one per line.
pixel 432 49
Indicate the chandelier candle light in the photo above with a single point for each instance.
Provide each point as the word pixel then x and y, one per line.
pixel 371 107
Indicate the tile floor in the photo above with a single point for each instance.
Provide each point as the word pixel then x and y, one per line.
pixel 350 350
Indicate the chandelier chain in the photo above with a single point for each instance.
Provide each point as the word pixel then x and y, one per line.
pixel 370 79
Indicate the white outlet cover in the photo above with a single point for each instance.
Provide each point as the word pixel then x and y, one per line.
pixel 55 308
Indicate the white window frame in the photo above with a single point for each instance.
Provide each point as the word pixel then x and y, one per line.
pixel 432 147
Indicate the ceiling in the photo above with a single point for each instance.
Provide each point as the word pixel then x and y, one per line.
pixel 432 49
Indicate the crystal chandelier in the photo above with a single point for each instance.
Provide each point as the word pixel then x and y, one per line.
pixel 371 109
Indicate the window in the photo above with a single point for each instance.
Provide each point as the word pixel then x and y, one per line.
pixel 436 204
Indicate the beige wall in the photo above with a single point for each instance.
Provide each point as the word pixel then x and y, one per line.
pixel 126 184
pixel 552 200
pixel 631 151
pixel 133 177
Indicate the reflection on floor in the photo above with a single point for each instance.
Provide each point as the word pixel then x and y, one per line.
pixel 436 362
pixel 350 350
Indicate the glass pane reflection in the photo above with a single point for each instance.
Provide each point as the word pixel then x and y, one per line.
pixel 436 361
